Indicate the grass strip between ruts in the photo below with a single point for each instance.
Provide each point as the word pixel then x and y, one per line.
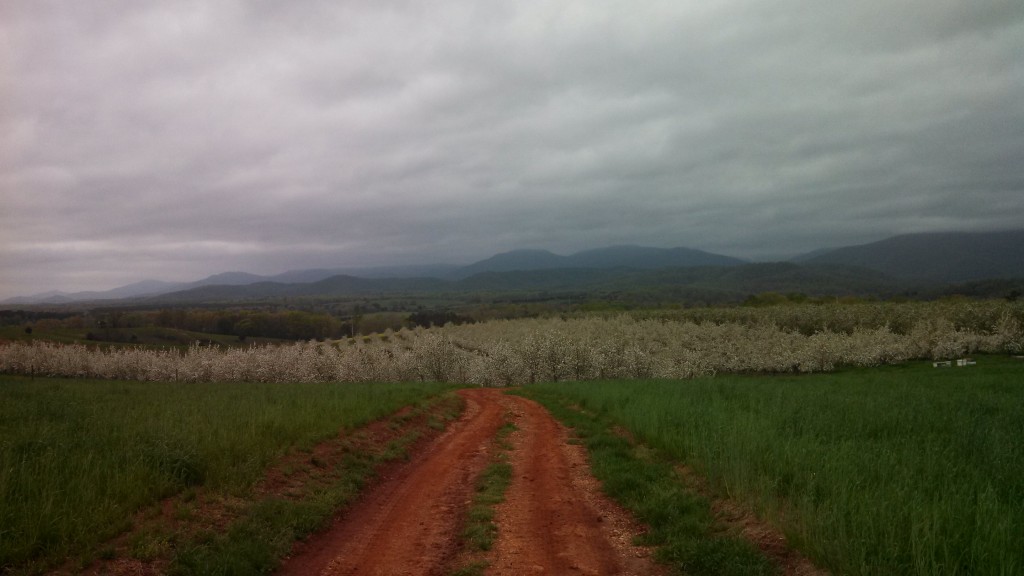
pixel 680 523
pixel 480 531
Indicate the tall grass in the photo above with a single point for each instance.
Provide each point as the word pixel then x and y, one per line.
pixel 678 522
pixel 896 470
pixel 79 457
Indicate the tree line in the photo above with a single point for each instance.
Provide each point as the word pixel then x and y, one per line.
pixel 117 325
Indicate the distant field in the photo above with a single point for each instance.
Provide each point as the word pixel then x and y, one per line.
pixel 145 336
pixel 892 470
pixel 79 457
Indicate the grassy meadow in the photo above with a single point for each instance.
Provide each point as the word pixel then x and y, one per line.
pixel 894 470
pixel 824 419
pixel 79 457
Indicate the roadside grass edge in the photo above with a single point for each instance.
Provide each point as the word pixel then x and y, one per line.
pixel 680 523
pixel 268 528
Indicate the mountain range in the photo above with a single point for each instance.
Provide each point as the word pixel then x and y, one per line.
pixel 886 266
pixel 638 257
pixel 936 258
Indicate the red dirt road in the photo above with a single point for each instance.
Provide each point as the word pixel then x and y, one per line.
pixel 554 520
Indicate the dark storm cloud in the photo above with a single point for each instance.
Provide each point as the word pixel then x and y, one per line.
pixel 173 140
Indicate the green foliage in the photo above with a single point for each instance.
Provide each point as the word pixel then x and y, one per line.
pixel 172 326
pixel 79 457
pixel 428 318
pixel 255 544
pixel 847 315
pixel 679 522
pixel 490 491
pixel 766 299
pixel 480 531
pixel 897 470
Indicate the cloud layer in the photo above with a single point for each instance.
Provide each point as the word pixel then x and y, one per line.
pixel 172 140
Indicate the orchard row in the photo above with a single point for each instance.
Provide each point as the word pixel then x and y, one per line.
pixel 514 352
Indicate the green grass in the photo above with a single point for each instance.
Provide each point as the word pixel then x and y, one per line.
pixel 79 457
pixel 480 531
pixel 897 470
pixel 680 522
pixel 269 527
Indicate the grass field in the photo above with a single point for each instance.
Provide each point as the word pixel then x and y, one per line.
pixel 678 521
pixel 896 470
pixel 79 457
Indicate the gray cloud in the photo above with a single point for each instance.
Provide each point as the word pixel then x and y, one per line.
pixel 174 140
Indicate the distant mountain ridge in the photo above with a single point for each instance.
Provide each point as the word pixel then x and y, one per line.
pixel 615 256
pixel 151 288
pixel 626 256
pixel 936 257
pixel 911 259
pixel 709 283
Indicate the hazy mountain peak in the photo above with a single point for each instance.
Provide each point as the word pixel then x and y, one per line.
pixel 937 256
pixel 929 258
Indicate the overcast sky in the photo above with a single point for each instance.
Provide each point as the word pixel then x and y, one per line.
pixel 172 140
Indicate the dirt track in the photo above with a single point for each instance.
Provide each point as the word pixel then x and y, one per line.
pixel 554 520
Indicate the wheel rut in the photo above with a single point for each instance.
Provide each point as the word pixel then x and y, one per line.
pixel 554 519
